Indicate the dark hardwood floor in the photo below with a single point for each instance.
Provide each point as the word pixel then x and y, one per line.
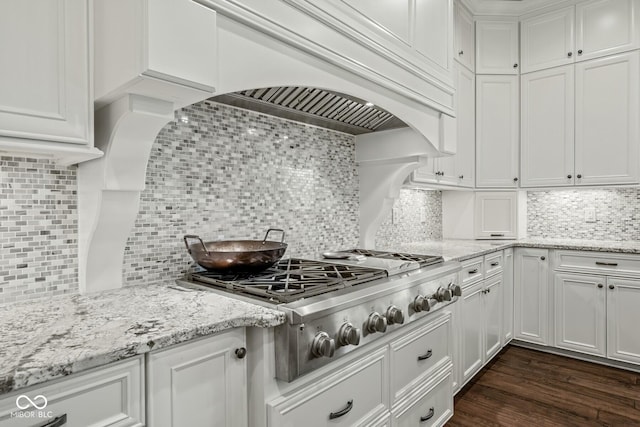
pixel 522 387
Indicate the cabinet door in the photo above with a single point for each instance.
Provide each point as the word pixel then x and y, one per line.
pixel 548 40
pixel 497 131
pixel 496 215
pixel 607 137
pixel 492 317
pixel 201 383
pixel 44 57
pixel 530 295
pixel 623 318
pixel 464 37
pixel 427 173
pixel 507 297
pixel 472 313
pixel 497 47
pixel 605 27
pixel 465 157
pixel 547 128
pixel 580 313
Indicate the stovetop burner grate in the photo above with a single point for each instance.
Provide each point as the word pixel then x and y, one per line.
pixel 423 260
pixel 288 280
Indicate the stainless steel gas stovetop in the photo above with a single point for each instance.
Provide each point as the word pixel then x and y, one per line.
pixel 336 306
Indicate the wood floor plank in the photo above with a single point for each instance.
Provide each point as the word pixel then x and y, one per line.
pixel 523 387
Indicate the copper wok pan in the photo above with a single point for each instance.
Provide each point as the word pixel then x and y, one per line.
pixel 236 255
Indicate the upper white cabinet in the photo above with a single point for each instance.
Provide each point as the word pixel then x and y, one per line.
pixel 548 40
pixel 496 215
pixel 45 90
pixel 497 131
pixel 547 121
pixel 464 50
pixel 161 49
pixel 200 383
pixel 604 27
pixel 497 47
pixel 607 111
pixel 530 295
pixel 589 30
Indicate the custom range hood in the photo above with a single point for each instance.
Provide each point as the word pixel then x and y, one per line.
pixel 153 60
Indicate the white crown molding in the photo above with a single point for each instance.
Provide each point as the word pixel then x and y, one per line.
pixel 512 7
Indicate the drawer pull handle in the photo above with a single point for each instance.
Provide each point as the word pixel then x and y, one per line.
pixel 341 412
pixel 57 421
pixel 497 234
pixel 495 264
pixel 427 355
pixel 608 264
pixel 474 271
pixel 429 415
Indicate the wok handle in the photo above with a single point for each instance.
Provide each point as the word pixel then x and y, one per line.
pixel 269 231
pixel 193 236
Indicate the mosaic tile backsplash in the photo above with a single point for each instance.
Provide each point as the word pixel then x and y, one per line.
pixel 416 216
pixel 561 214
pixel 39 229
pixel 226 173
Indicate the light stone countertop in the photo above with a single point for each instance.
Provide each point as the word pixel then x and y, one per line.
pixel 460 250
pixel 44 340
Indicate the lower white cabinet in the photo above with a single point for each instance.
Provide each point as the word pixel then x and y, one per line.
pixel 492 317
pixel 507 296
pixel 432 407
pixel 531 295
pixel 200 383
pixel 623 319
pixel 112 395
pixel 580 320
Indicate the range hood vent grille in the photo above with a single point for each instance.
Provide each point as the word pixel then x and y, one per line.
pixel 315 106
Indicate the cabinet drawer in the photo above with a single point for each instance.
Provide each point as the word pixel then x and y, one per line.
pixel 493 264
pixel 355 395
pixel 472 271
pixel 416 355
pixel 108 396
pixel 433 407
pixel 598 262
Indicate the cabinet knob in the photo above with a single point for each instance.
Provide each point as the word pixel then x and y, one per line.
pixel 569 176
pixel 570 54
pixel 461 53
pixel 543 258
pixel 515 65
pixel 611 287
pixel 241 352
pixel 579 51
pixel 515 179
pixel 600 285
pixel 461 177
pixel 579 176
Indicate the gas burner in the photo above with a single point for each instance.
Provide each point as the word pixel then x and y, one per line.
pixel 288 280
pixel 423 260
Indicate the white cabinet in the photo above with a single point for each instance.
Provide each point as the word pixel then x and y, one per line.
pixel 589 30
pixel 432 407
pixel 111 395
pixel 46 98
pixel 493 312
pixel 472 313
pixel 161 49
pixel 497 131
pixel 200 383
pixel 580 320
pixel 548 40
pixel 507 297
pixel 531 295
pixel 496 215
pixel 497 47
pixel 547 138
pixel 607 110
pixel 623 318
pixel 464 37
pixel 605 27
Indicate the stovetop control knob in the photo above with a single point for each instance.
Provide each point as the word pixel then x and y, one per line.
pixel 348 335
pixel 323 345
pixel 456 290
pixel 422 303
pixel 443 294
pixel 376 323
pixel 394 315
